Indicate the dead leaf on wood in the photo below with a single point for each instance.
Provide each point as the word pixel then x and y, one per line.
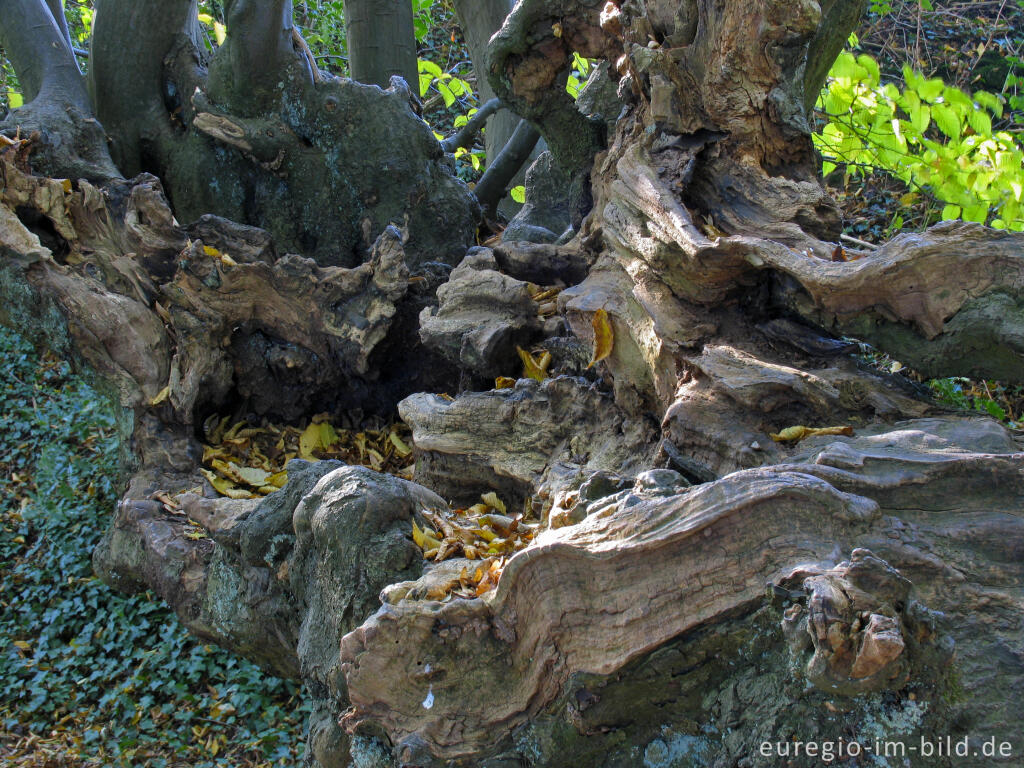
pixel 161 396
pixel 245 461
pixel 796 434
pixel 482 532
pixel 604 337
pixel 504 382
pixel 535 366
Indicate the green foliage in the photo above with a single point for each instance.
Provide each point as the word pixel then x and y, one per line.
pixel 989 397
pixel 580 73
pixel 475 156
pixel 116 678
pixel 220 32
pixel 448 85
pixel 882 7
pixel 518 194
pixel 422 18
pixel 323 26
pixel 937 139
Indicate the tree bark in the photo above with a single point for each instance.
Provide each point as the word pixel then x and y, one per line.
pixel 381 42
pixel 72 143
pixel 701 580
pixel 287 146
pixel 501 170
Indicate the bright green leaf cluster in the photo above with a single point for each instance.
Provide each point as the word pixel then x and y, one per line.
pixel 580 73
pixel 448 85
pixel 935 138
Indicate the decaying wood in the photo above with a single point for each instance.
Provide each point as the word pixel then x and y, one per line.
pixel 481 317
pixel 568 604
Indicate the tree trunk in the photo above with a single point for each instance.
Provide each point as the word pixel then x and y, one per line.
pixel 57 106
pixel 282 145
pixel 697 579
pixel 381 42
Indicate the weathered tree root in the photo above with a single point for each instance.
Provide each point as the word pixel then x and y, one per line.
pixel 568 605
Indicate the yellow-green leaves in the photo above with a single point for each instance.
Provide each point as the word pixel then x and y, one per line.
pixel 929 135
pixel 447 85
pixel 484 532
pixel 242 462
pixel 220 32
pixel 161 396
pixel 317 438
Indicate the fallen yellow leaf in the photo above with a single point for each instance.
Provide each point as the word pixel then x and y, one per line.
pixel 796 434
pixel 402 449
pixel 534 367
pixel 504 382
pixel 309 442
pixel 491 499
pixel 225 487
pixel 604 337
pixel 161 396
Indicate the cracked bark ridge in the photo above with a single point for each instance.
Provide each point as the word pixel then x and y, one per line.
pixel 109 277
pixel 642 612
pixel 157 299
pixel 549 433
pixel 69 143
pixel 856 622
pixel 529 60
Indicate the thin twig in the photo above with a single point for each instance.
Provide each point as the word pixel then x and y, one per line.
pixel 859 243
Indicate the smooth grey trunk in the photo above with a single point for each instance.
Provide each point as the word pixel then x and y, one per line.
pixel 57 10
pixel 126 71
pixel 494 184
pixel 40 51
pixel 479 20
pixel 381 41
